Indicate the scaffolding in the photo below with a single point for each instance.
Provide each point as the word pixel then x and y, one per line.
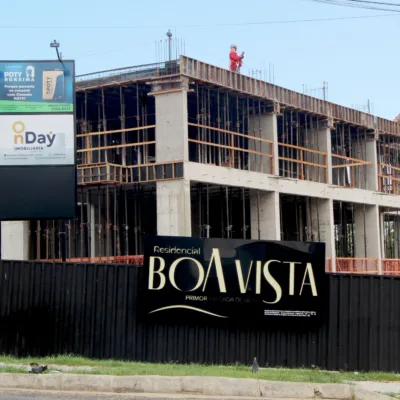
pixel 224 130
pixel 220 211
pixel 110 225
pixel 349 161
pixel 118 169
pixel 389 164
pixel 300 155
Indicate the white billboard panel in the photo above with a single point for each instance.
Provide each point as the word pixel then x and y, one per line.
pixel 37 140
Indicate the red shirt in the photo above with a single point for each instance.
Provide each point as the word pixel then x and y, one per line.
pixel 236 61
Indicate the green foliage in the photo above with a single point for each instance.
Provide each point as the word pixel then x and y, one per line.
pixel 119 367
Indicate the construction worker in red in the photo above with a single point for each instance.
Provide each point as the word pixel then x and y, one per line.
pixel 235 59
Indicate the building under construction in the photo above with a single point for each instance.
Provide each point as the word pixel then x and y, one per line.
pixel 190 149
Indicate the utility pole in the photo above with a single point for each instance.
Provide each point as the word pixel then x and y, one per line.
pixel 169 35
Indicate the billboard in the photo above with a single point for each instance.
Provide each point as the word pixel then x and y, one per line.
pixel 28 87
pixel 37 140
pixel 229 280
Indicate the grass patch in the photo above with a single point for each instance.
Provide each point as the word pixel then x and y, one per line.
pixel 14 370
pixel 123 368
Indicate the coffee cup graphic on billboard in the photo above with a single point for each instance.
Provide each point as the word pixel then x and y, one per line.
pixel 53 85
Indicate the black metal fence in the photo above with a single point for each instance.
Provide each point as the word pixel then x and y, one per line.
pixel 91 309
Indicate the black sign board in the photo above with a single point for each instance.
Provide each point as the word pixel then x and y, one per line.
pixel 228 280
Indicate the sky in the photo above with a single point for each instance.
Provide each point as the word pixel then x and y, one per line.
pixel 357 57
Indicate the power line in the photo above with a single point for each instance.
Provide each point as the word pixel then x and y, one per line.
pixel 345 3
pixel 210 25
pixel 376 2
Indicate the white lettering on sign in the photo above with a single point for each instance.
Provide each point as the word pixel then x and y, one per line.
pixel 157 267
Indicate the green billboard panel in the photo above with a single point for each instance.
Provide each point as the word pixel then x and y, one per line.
pixel 29 87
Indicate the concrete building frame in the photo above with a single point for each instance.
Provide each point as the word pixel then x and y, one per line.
pixel 186 148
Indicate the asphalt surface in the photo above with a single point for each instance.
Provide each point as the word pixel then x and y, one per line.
pixel 6 394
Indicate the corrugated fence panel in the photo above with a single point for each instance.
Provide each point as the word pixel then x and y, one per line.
pixel 90 309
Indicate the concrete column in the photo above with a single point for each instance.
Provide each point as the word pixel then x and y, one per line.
pixel 173 197
pixel 265 216
pixel 264 126
pixel 371 154
pixel 173 208
pixel 321 142
pixel 15 240
pixel 323 226
pixel 171 126
pixel 367 228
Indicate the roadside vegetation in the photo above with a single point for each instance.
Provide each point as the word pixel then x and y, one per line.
pixel 114 367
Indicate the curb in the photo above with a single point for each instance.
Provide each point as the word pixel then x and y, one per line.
pixel 190 385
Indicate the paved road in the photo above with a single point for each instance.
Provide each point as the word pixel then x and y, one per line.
pixel 51 395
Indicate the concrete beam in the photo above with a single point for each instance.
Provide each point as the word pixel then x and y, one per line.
pixel 255 180
pixel 15 240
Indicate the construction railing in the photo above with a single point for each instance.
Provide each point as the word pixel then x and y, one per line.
pixel 302 163
pixel 106 173
pixel 225 148
pixel 101 173
pixel 391 267
pixel 127 74
pixel 112 145
pixel 136 260
pixel 154 172
pixel 354 265
pixel 389 179
pixel 348 171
